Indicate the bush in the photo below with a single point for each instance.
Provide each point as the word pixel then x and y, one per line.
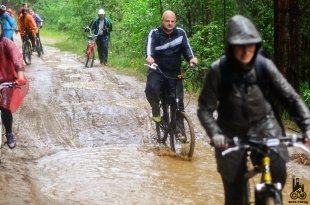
pixel 305 92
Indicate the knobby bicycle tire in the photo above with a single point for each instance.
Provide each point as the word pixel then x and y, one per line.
pixel 90 57
pixel 268 197
pixel 27 52
pixel 270 201
pixel 40 46
pixel 38 49
pixel 185 146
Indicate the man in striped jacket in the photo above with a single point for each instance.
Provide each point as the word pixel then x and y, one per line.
pixel 165 47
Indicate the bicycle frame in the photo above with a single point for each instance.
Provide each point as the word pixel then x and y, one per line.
pixel 90 46
pixel 266 189
pixel 90 49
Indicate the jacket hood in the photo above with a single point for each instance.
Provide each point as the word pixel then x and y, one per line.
pixel 241 30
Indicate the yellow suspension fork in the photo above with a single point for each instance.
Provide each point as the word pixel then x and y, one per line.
pixel 266 177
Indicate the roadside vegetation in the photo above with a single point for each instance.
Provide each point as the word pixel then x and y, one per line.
pixel 204 22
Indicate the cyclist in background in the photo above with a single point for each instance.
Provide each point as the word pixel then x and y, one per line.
pixel 165 47
pixel 37 19
pixel 20 10
pixel 11 69
pixel 232 87
pixel 25 21
pixel 8 23
pixel 102 27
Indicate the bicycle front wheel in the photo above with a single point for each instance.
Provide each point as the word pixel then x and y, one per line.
pixel 38 47
pixel 270 201
pixel 90 57
pixel 185 143
pixel 27 52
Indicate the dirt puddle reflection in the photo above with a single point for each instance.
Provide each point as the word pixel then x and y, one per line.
pixel 124 175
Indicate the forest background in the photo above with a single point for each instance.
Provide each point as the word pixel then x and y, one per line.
pixel 284 25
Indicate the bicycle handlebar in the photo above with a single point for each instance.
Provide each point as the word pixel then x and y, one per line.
pixel 290 141
pixel 8 85
pixel 154 66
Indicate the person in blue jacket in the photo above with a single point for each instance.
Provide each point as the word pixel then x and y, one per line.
pixel 102 27
pixel 8 23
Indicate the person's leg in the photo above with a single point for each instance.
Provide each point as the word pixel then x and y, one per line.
pixel 100 48
pixel 105 51
pixel 153 91
pixel 278 169
pixel 235 188
pixel 7 120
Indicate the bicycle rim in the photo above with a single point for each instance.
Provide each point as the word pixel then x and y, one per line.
pixel 27 53
pixel 185 146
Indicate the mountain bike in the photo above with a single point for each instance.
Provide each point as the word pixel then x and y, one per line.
pixel 90 48
pixel 266 192
pixel 2 134
pixel 27 47
pixel 173 120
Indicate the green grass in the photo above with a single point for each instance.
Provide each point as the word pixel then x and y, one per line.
pixel 119 63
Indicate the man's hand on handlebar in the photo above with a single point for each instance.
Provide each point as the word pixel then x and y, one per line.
pixel 150 60
pixel 219 141
pixel 306 136
pixel 20 81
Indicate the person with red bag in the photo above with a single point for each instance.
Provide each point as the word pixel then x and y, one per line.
pixel 11 70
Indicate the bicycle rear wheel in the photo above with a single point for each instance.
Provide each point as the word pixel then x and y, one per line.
pixel 39 47
pixel 186 145
pixel 162 128
pixel 27 52
pixel 90 57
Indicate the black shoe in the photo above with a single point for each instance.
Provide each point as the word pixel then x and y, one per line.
pixel 11 140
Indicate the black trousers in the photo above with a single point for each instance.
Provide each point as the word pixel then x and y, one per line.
pixel 7 119
pixel 102 47
pixel 235 190
pixel 156 85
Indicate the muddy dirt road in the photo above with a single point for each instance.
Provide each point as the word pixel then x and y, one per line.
pixel 85 137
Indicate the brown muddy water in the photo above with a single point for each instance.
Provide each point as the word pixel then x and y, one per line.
pixel 85 137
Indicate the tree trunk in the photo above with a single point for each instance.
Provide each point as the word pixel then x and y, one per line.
pixel 293 46
pixel 280 27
